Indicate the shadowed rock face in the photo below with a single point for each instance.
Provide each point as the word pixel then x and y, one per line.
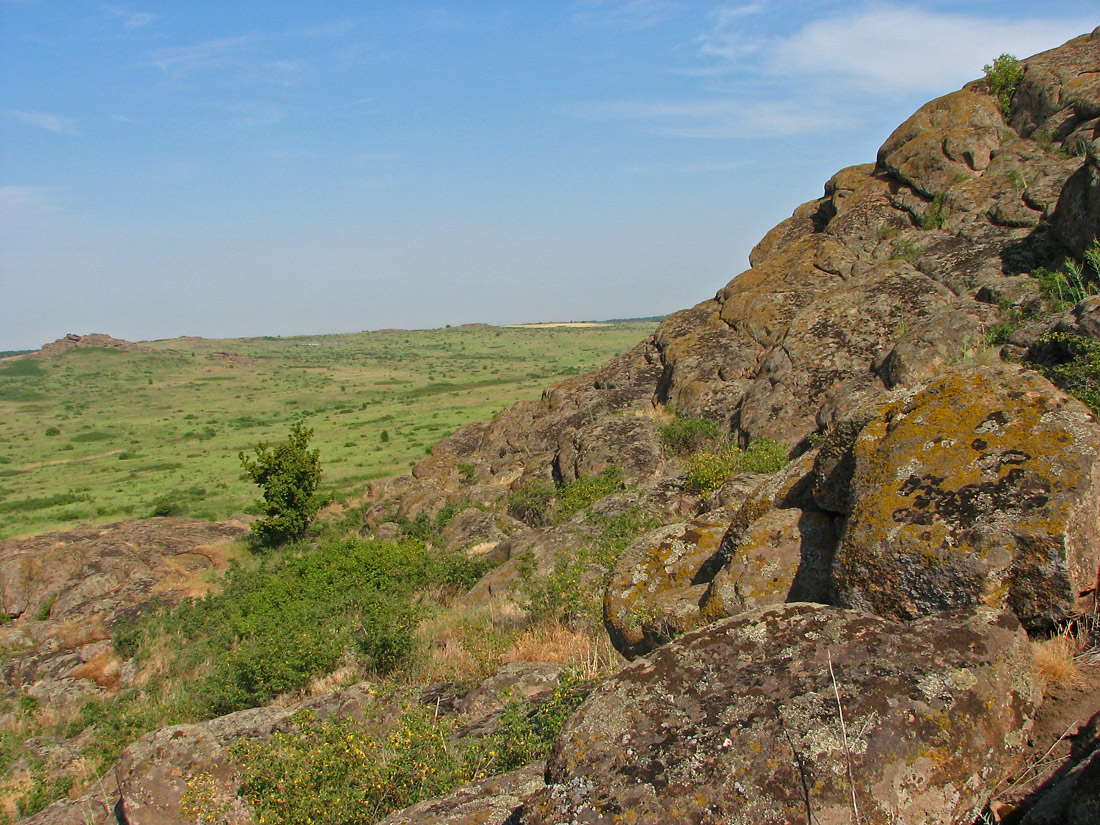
pixel 739 723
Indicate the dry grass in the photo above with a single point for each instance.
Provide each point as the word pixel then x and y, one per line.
pixel 587 649
pixel 1060 661
pixel 465 643
pixel 102 669
pixel 342 677
pixel 658 412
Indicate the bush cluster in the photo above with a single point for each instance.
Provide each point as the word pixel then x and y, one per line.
pixel 1072 362
pixel 1003 76
pixel 341 771
pixel 707 470
pixel 296 615
pixel 540 502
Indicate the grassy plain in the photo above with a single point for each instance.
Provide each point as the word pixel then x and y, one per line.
pixel 97 435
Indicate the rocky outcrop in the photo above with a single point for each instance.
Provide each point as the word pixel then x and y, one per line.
pixel 95 339
pixel 64 592
pixel 890 277
pixel 800 713
pixel 494 801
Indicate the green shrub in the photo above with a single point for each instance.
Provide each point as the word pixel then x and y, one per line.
pixel 907 251
pixel 1003 76
pixel 1074 282
pixel 289 475
pixel 934 217
pixel 343 772
pixel 1072 362
pixel 539 502
pixel 586 490
pixel 51 431
pixel 707 471
pixel 687 435
pixel 293 616
pixel 531 502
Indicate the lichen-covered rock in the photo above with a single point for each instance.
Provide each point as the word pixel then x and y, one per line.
pixel 983 487
pixel 659 582
pixel 950 136
pixel 494 801
pixel 783 556
pixel 739 723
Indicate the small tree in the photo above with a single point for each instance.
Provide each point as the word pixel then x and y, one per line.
pixel 1003 76
pixel 288 474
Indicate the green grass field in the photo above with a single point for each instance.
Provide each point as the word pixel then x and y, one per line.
pixel 97 435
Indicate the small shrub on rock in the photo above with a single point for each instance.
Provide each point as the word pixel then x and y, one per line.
pixel 708 470
pixel 1003 76
pixel 687 435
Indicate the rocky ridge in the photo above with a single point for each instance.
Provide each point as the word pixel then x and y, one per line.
pixel 846 640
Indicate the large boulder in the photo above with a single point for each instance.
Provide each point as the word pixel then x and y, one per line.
pixel 798 713
pixel 981 488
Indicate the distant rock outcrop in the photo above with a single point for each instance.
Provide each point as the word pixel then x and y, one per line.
pixel 95 339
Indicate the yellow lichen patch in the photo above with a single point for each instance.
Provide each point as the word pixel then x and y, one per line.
pixel 989 510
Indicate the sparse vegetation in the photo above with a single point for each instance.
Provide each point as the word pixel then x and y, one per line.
pixel 907 251
pixel 540 502
pixel 1072 362
pixel 686 435
pixel 343 771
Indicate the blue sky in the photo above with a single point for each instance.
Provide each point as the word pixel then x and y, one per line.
pixel 245 168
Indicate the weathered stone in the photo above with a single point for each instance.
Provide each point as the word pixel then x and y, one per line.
pixel 740 722
pixel 630 444
pixel 478 528
pixel 659 582
pixel 512 681
pixel 952 135
pixel 494 801
pixel 981 488
pixel 783 556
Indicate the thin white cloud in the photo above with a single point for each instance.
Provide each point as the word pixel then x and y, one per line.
pixel 745 81
pixel 892 50
pixel 719 118
pixel 58 124
pixel 210 55
pixel 631 14
pixel 139 19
